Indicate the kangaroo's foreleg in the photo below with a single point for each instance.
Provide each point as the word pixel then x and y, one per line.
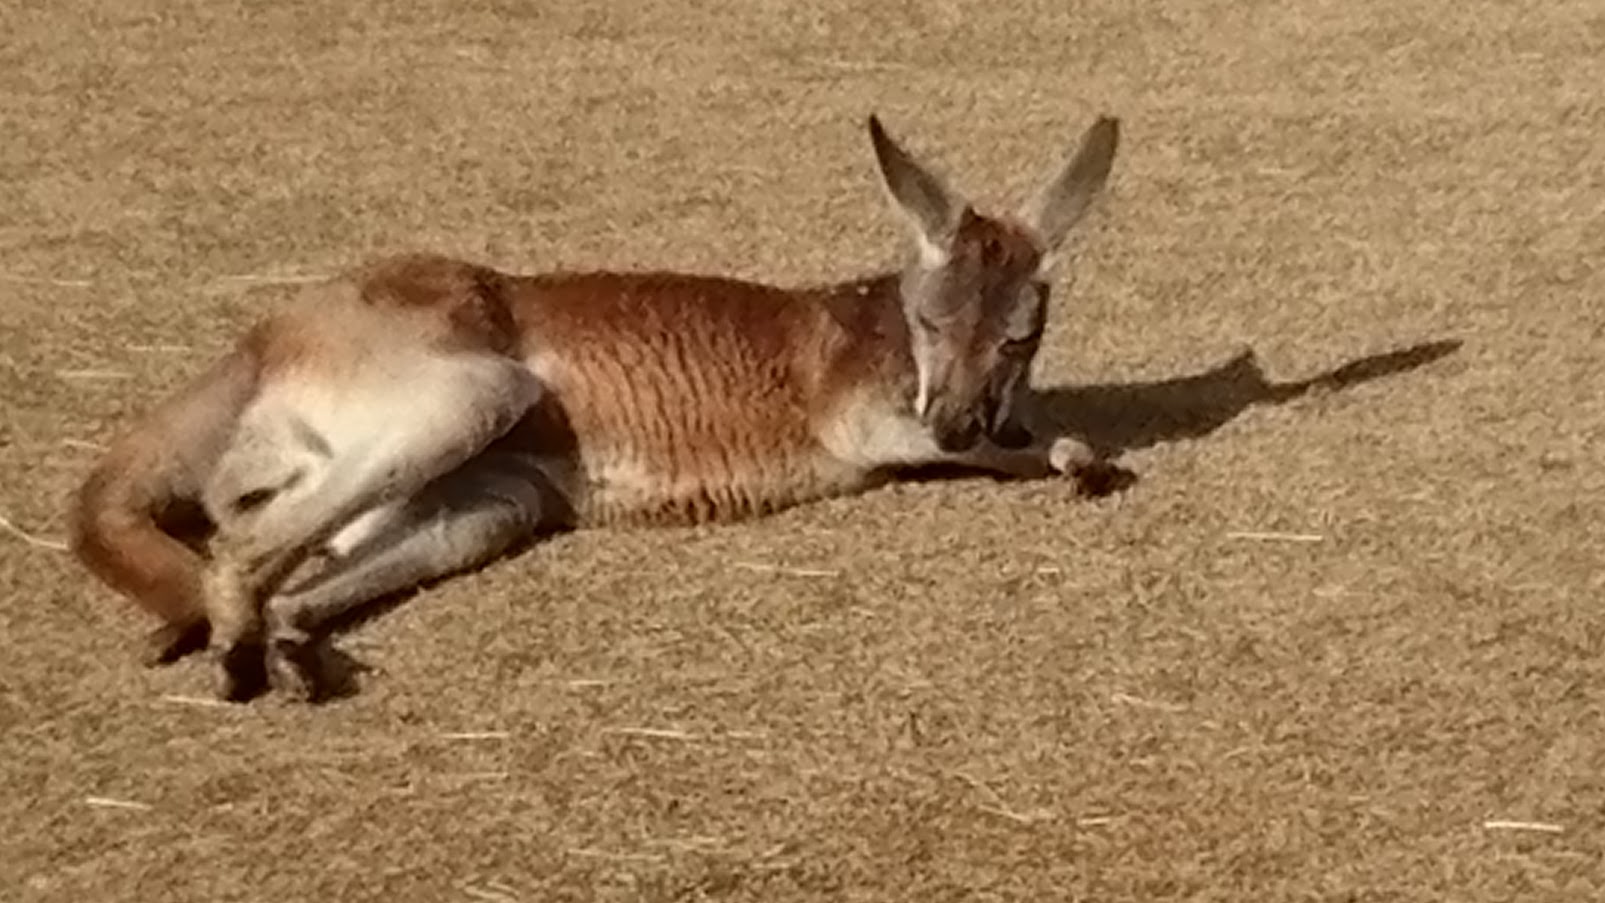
pixel 1062 457
pixel 877 439
pixel 1037 461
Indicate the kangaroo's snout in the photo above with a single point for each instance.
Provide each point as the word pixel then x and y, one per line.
pixel 958 425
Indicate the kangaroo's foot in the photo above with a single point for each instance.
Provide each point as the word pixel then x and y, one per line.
pixel 1094 475
pixel 293 664
pixel 171 642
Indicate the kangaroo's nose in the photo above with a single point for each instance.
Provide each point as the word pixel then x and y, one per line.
pixel 959 436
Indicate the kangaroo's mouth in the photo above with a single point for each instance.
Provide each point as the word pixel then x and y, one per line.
pixel 959 429
pixel 1010 435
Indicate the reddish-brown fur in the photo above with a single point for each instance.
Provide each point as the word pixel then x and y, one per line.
pixel 417 415
pixel 622 346
pixel 624 353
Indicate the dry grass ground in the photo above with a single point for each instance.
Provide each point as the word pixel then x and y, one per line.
pixel 960 691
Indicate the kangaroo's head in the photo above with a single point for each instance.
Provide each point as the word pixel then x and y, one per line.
pixel 975 295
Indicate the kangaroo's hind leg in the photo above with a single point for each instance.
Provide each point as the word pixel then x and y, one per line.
pixel 315 452
pixel 460 521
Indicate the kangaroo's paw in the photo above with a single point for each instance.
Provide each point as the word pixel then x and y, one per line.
pixel 1069 456
pixel 171 642
pixel 1095 476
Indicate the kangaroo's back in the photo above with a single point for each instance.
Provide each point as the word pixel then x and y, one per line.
pixel 692 398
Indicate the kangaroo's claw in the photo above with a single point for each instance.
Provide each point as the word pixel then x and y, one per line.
pixel 1100 478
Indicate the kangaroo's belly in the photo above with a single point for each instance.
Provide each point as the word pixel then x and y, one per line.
pixel 680 460
pixel 628 484
pixel 676 399
pixel 683 444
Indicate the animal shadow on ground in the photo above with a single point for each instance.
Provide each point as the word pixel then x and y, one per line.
pixel 337 673
pixel 1118 418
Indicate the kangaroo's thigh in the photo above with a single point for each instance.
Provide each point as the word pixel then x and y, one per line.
pixel 314 453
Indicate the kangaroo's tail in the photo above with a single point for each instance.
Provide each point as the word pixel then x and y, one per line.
pixel 136 521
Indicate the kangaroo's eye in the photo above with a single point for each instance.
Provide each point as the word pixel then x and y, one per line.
pixel 1022 326
pixel 925 324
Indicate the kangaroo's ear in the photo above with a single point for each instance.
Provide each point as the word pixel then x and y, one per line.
pixel 930 207
pixel 1062 203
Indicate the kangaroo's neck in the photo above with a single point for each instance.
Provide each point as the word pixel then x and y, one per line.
pixel 870 347
pixel 870 312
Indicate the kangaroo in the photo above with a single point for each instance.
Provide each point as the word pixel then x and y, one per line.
pixel 422 416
